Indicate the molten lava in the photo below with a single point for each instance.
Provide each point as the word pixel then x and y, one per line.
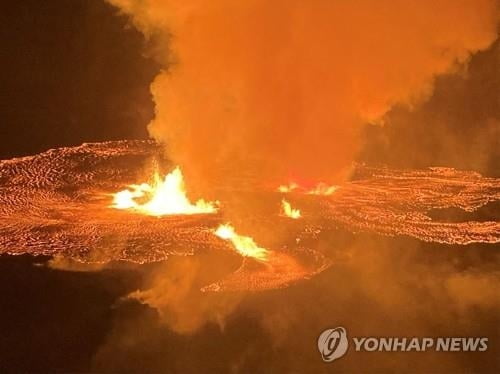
pixel 321 189
pixel 57 204
pixel 245 245
pixel 288 211
pixel 163 197
pixel 288 188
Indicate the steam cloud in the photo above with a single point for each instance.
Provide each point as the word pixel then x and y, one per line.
pixel 385 287
pixel 284 86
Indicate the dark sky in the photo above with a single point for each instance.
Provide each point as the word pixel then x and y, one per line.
pixel 459 126
pixel 71 72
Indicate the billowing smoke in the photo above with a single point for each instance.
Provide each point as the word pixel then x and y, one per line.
pixel 284 86
pixel 384 287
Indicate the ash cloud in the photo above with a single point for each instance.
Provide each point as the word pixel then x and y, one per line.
pixel 284 87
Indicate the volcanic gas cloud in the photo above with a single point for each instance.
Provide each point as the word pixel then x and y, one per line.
pixel 284 86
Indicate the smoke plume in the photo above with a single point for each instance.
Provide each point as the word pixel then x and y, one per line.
pixel 284 86
pixel 385 287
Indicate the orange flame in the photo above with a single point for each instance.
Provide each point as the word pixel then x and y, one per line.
pixel 288 211
pixel 244 245
pixel 288 188
pixel 320 189
pixel 323 189
pixel 165 197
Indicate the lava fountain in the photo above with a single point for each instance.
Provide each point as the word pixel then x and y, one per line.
pixel 320 189
pixel 163 197
pixel 244 245
pixel 288 211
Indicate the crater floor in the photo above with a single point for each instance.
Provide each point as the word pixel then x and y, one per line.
pixel 57 203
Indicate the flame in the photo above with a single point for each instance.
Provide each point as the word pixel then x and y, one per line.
pixel 320 189
pixel 323 189
pixel 165 196
pixel 288 211
pixel 245 245
pixel 288 188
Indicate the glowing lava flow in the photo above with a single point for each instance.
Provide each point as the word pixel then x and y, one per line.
pixel 245 245
pixel 322 189
pixel 287 188
pixel 167 196
pixel 288 211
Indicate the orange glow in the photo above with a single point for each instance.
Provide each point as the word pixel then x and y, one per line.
pixel 288 211
pixel 273 85
pixel 163 197
pixel 323 189
pixel 320 189
pixel 288 188
pixel 244 245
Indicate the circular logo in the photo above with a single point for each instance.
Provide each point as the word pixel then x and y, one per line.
pixel 333 344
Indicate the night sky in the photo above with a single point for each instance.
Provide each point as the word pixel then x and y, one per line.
pixel 71 72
